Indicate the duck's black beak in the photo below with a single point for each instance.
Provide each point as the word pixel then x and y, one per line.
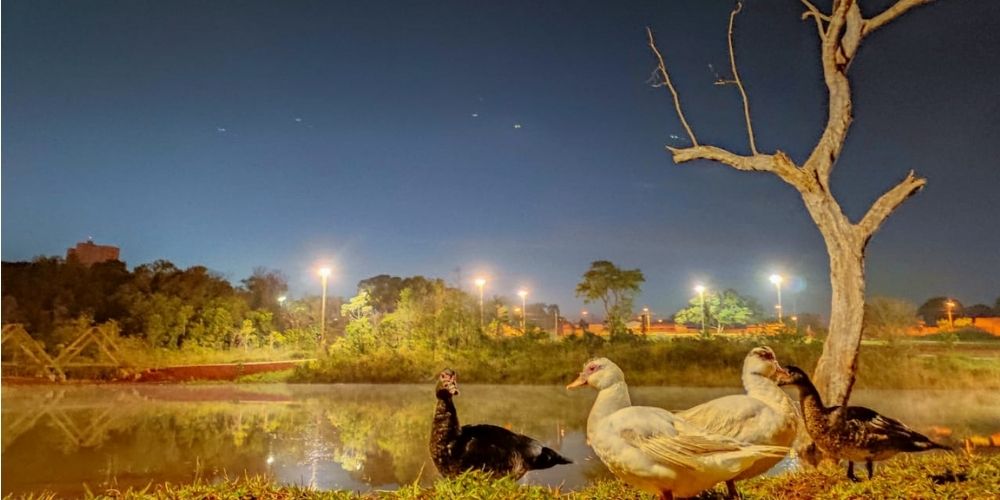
pixel 783 377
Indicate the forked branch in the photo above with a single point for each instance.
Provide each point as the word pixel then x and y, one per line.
pixel 888 202
pixel 662 68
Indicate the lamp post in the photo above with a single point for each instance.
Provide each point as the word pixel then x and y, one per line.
pixel 555 312
pixel 701 293
pixel 324 273
pixel 645 320
pixel 796 320
pixel 480 283
pixel 950 304
pixel 523 294
pixel 777 279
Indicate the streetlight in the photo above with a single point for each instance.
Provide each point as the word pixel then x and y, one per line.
pixel 645 319
pixel 324 273
pixel 796 320
pixel 480 283
pixel 281 300
pixel 701 293
pixel 777 279
pixel 951 321
pixel 524 311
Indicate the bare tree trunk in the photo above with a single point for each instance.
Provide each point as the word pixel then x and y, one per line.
pixel 835 372
pixel 840 32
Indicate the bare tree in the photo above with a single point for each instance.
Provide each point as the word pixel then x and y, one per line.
pixel 841 32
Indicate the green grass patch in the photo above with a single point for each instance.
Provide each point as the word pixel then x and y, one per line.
pixel 659 362
pixel 938 475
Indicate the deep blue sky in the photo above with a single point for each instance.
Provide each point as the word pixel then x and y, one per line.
pixel 380 136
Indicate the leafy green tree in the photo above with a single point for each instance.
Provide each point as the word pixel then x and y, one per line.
pixel 615 288
pixel 979 311
pixel 724 309
pixel 936 309
pixel 888 318
pixel 263 288
pixel 383 291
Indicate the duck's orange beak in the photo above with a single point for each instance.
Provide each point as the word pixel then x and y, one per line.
pixel 579 382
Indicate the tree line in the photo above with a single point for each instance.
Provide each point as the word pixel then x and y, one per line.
pixel 157 302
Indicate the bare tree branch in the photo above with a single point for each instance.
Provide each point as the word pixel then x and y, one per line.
pixel 778 164
pixel 888 202
pixel 736 78
pixel 814 11
pixel 666 79
pixel 819 17
pixel 834 59
pixel 899 8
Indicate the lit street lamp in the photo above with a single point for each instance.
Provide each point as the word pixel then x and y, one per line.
pixel 950 304
pixel 480 283
pixel 701 293
pixel 796 320
pixel 777 279
pixel 324 273
pixel 645 319
pixel 524 311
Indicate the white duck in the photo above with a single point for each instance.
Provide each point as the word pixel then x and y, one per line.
pixel 764 415
pixel 655 450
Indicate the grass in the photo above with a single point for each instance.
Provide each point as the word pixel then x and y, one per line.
pixel 673 362
pixel 140 356
pixel 938 475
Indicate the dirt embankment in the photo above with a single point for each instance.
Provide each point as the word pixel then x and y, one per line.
pixel 230 371
pixel 184 373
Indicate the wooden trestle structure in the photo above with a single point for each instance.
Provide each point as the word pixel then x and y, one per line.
pixel 24 351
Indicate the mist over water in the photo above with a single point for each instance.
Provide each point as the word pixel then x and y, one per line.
pixel 354 437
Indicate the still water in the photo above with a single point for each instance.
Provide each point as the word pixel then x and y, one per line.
pixel 355 437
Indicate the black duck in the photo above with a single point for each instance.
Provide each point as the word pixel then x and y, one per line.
pixel 489 448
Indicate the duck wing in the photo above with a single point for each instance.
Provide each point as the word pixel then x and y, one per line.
pixel 888 431
pixel 672 441
pixel 739 416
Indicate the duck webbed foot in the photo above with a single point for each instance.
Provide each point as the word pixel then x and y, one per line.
pixel 850 472
pixel 732 492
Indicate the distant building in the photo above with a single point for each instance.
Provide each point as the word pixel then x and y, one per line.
pixel 89 253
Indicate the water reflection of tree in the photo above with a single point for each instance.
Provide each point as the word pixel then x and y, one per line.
pixel 378 434
pixel 129 439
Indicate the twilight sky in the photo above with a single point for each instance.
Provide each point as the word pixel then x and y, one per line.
pixel 516 139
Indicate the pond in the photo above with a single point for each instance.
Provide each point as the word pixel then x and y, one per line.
pixel 353 437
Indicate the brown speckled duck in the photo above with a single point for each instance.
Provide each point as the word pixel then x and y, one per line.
pixel 854 433
pixel 489 448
